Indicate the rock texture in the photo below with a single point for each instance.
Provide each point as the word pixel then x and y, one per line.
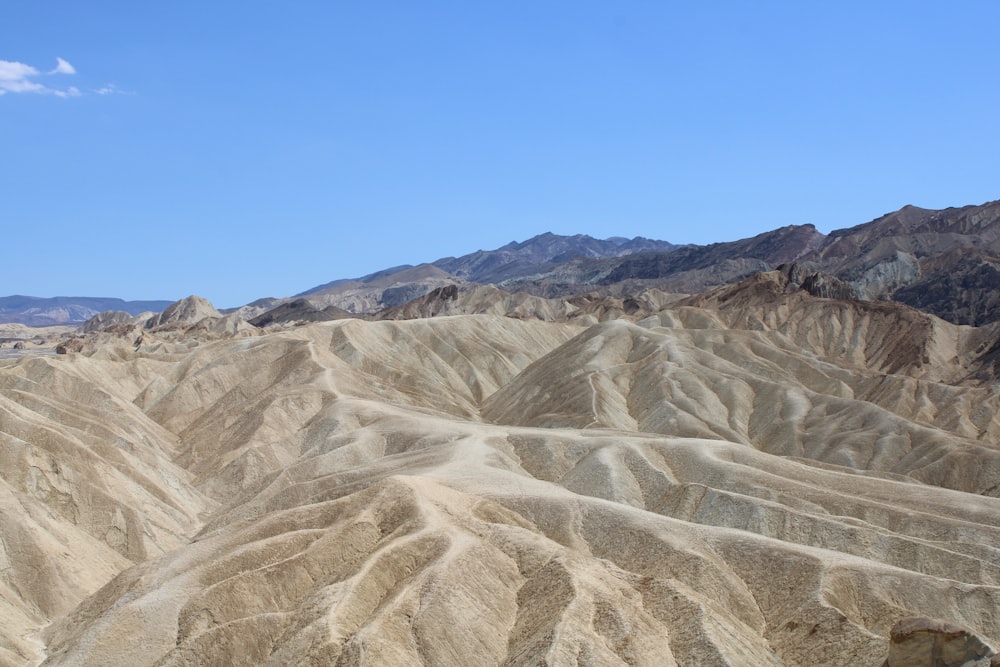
pixel 105 320
pixel 540 254
pixel 926 642
pixel 299 311
pixel 752 476
pixel 186 311
pixel 960 286
pixel 384 289
pixel 487 299
pixel 945 262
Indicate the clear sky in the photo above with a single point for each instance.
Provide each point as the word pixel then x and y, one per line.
pixel 240 149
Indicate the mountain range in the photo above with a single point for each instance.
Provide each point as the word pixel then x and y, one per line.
pixel 945 262
pixel 42 312
pixel 562 452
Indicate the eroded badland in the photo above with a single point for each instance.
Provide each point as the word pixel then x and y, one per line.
pixel 754 476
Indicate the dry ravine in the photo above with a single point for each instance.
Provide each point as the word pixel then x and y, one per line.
pixel 755 476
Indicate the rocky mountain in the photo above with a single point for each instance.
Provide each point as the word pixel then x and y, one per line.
pixel 960 286
pixel 383 289
pixel 540 254
pixel 550 265
pixel 491 300
pixel 40 312
pixel 683 269
pixel 944 262
pixel 299 310
pixel 186 311
pixel 790 467
pixel 762 474
pixel 393 287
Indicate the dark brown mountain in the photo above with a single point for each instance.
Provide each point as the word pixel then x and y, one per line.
pixel 299 310
pixel 918 231
pixel 777 247
pixel 945 262
pixel 961 286
pixel 542 253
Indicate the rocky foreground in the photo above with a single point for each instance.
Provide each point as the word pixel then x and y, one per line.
pixel 754 476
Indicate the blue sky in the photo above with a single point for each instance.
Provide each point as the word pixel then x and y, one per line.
pixel 245 149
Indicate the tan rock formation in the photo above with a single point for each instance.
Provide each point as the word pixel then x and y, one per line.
pixel 705 487
pixel 187 311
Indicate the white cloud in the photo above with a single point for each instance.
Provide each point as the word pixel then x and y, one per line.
pixel 110 89
pixel 14 78
pixel 17 77
pixel 10 71
pixel 63 67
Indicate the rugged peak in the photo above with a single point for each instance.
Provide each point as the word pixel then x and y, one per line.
pixel 541 253
pixel 962 221
pixel 186 311
pixel 103 320
pixel 818 284
pixel 299 310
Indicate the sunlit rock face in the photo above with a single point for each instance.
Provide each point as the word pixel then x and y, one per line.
pixel 752 476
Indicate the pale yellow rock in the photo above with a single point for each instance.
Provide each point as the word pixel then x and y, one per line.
pixel 702 488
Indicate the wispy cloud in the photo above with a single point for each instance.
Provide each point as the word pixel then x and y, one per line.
pixel 110 89
pixel 18 77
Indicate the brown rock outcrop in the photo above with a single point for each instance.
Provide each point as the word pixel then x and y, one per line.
pixel 918 641
pixel 102 321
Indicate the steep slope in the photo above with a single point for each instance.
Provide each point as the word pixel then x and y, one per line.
pixel 741 387
pixel 188 310
pixel 541 253
pixel 490 300
pixel 384 289
pixel 782 245
pixel 864 335
pixel 393 287
pixel 688 269
pixel 918 231
pixel 87 490
pixel 944 262
pixel 961 286
pixel 299 310
pixel 754 477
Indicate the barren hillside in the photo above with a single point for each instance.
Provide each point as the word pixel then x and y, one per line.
pixel 754 476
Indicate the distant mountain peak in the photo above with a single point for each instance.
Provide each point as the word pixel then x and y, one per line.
pixel 188 310
pixel 39 311
pixel 540 253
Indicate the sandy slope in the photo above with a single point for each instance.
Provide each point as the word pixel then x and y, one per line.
pixel 700 488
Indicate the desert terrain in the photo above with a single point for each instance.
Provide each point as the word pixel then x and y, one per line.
pixel 752 476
